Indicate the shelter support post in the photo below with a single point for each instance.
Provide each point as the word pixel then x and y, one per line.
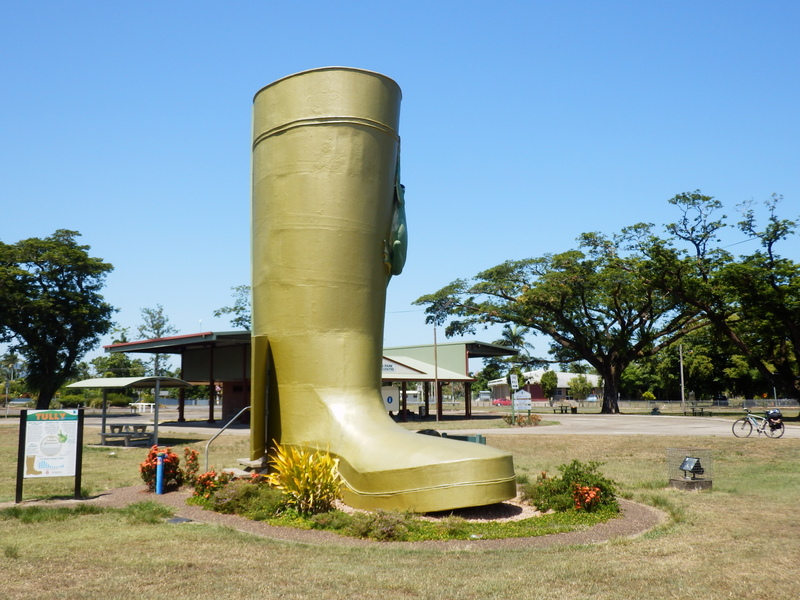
pixel 105 409
pixel 181 405
pixel 212 400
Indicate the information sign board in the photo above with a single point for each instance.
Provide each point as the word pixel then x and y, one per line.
pixel 50 445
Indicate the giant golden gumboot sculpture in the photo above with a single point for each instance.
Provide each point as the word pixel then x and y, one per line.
pixel 328 233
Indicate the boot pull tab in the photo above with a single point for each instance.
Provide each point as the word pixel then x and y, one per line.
pixel 395 251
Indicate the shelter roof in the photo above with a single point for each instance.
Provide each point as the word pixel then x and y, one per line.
pixel 179 343
pixel 474 348
pixel 404 368
pixel 126 382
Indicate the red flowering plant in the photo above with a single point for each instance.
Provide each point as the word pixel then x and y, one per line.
pixel 191 465
pixel 173 476
pixel 208 483
pixel 586 497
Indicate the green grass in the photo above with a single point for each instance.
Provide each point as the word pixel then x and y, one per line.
pixel 106 467
pixel 746 524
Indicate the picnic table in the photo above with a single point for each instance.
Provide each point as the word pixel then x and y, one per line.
pixel 140 407
pixel 128 433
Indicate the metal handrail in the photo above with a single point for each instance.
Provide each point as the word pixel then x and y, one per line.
pixel 221 430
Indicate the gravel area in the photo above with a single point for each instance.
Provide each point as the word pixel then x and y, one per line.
pixel 634 520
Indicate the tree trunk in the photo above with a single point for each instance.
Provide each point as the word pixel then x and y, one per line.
pixel 610 394
pixel 43 401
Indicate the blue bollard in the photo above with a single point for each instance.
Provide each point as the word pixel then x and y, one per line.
pixel 160 473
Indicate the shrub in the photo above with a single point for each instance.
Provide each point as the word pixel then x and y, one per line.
pixel 380 526
pixel 580 487
pixel 453 526
pixel 71 400
pixel 523 420
pixel 308 480
pixel 191 465
pixel 209 483
pixel 173 477
pixel 112 399
pixel 336 520
pixel 250 497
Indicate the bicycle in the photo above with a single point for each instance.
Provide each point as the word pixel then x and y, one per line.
pixel 770 424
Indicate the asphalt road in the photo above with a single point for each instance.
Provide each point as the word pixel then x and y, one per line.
pixel 593 424
pixel 631 425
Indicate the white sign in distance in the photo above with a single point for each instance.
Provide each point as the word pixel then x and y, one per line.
pixel 391 398
pixel 522 400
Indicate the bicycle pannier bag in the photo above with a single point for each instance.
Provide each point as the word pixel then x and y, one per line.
pixel 774 416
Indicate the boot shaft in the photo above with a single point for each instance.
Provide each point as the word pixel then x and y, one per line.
pixel 324 159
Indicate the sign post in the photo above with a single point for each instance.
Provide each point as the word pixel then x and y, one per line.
pixel 50 445
pixel 514 387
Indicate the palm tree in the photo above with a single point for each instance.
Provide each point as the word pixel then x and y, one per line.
pixel 10 369
pixel 513 336
pixel 10 366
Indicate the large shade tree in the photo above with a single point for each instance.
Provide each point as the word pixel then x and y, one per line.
pixel 592 303
pixel 118 364
pixel 52 312
pixel 241 311
pixel 752 300
pixel 156 325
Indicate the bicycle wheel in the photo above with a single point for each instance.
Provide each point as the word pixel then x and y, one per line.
pixel 774 433
pixel 742 428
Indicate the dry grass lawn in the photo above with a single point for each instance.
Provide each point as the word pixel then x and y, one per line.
pixel 740 540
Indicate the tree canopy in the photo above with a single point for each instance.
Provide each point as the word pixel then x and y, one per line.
pixel 241 310
pixel 549 383
pixel 155 324
pixel 753 300
pixel 591 302
pixel 118 364
pixel 52 312
pixel 619 300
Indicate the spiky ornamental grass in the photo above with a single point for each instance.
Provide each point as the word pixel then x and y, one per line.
pixel 308 479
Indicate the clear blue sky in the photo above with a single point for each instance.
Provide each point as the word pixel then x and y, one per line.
pixel 524 124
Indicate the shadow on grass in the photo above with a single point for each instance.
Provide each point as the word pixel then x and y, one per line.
pixel 173 442
pixel 431 418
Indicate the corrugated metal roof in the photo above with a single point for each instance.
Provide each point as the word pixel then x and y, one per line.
pixel 125 382
pixel 416 370
pixel 178 344
pixel 474 348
